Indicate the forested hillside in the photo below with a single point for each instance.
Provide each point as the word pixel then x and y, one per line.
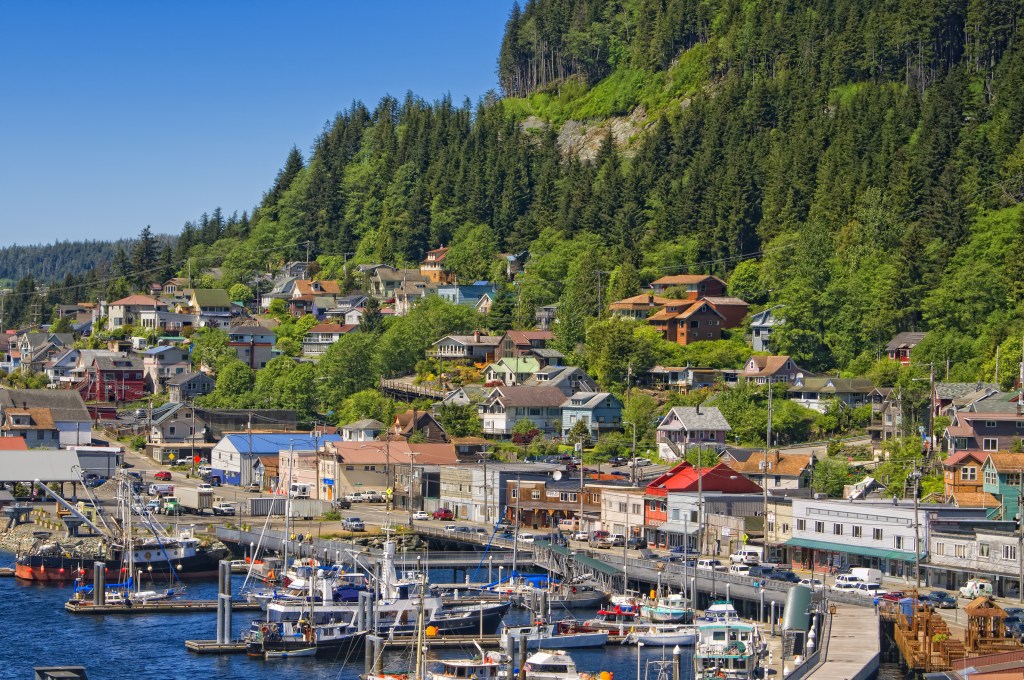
pixel 859 163
pixel 53 261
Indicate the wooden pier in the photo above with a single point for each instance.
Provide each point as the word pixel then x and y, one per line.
pixel 157 607
pixel 214 647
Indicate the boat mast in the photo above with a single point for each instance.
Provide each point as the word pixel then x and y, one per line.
pixel 420 642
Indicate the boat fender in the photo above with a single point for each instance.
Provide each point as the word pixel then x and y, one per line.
pixel 574 589
pixel 264 629
pixel 607 675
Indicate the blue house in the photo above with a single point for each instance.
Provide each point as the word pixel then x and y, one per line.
pixel 468 296
pixel 237 458
pixel 601 410
pixel 1001 478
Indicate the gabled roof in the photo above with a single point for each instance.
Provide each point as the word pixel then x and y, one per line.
pixel 183 378
pixel 587 400
pixel 527 337
pixel 766 317
pixel 640 301
pixel 685 279
pixel 694 418
pixel 388 274
pixel 721 477
pixel 1006 462
pixel 829 385
pixel 41 419
pixel 522 395
pixel 958 390
pixel 264 443
pixel 786 465
pixel 698 307
pixel 64 405
pixel 211 297
pixel 251 330
pixel 515 365
pixel 905 340
pixel 974 499
pixel 961 457
pixel 137 301
pixel 365 424
pixel 333 328
pixel 117 363
pixel 727 301
pixel 310 287
pixel 480 340
pixel 766 365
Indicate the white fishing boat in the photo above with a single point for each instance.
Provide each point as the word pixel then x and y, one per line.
pixel 489 666
pixel 551 665
pixel 721 610
pixel 728 649
pixel 544 636
pixel 666 636
pixel 287 654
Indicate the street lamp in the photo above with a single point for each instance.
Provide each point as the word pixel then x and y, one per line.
pixel 633 449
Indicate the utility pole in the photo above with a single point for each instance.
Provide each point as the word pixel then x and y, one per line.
pixel 767 444
pixel 917 528
pixel 1020 535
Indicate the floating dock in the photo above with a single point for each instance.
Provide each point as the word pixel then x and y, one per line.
pixel 214 647
pixel 6 572
pixel 157 607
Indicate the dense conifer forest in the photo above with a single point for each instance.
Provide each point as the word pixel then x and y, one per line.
pixel 860 164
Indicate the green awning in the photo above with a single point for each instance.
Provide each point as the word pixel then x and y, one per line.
pixel 596 565
pixel 852 549
pixel 557 549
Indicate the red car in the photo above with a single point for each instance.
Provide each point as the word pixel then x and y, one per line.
pixel 444 513
pixel 162 476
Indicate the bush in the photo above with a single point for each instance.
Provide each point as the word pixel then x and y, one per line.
pixel 332 516
pixel 138 442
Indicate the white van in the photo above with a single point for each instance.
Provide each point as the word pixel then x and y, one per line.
pixel 161 489
pixel 740 570
pixel 867 575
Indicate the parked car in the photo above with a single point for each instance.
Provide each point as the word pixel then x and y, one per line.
pixel 353 524
pixel 581 536
pixel 212 480
pixel 256 488
pixel 526 538
pixel 420 515
pixel 713 565
pixel 507 536
pixel 870 589
pixel 617 539
pixel 504 523
pixel 450 528
pixel 813 583
pixel 596 536
pixel 603 543
pixel 643 462
pixel 463 530
pixel 739 570
pixel 355 497
pixel 341 504
pixel 481 532
pixel 137 475
pixel 444 514
pixel 223 509
pixel 787 576
pixel 162 476
pixel 940 599
pixel 894 596
pixel 761 572
pixel 637 543
pixel 204 487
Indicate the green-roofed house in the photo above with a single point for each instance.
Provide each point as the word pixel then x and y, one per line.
pixel 511 370
pixel 213 307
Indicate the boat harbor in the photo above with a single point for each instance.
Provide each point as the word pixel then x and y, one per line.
pixel 157 607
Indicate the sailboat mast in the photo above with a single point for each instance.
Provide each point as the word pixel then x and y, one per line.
pixel 420 642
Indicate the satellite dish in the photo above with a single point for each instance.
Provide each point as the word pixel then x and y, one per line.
pixel 558 475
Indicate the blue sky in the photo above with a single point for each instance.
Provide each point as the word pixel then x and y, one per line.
pixel 116 115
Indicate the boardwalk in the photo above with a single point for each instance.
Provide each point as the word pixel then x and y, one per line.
pixel 853 646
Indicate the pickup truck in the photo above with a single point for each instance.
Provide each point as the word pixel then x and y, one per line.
pixel 353 524
pixel 711 564
pixel 341 504
pixel 223 509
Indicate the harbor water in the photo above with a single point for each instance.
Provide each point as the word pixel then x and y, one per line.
pixel 39 632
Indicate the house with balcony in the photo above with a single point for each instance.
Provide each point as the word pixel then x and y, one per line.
pixel 685 322
pixel 320 337
pixel 60 369
pixel 385 281
pixel 542 504
pixel 36 349
pixel 639 307
pixel 511 371
pixel 964 481
pixel 569 379
pixel 602 411
pixel 900 347
pixel 254 345
pixel 696 286
pixel 212 306
pixel 683 378
pixel 818 393
pixel 167 321
pixel 189 385
pixel 477 347
pixel 772 369
pixel 160 364
pixel 115 378
pixel 416 424
pixel 127 311
pixel 433 266
pixel 522 343
pixel 506 406
pixel 685 427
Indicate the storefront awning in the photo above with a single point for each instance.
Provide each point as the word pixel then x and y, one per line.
pixel 678 528
pixel 852 549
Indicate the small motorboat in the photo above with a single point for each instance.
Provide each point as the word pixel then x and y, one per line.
pixel 720 610
pixel 544 636
pixel 286 654
pixel 484 667
pixel 666 636
pixel 673 608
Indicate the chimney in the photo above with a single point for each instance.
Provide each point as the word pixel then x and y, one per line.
pixel 476 336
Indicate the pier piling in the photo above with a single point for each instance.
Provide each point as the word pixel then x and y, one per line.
pixel 99 584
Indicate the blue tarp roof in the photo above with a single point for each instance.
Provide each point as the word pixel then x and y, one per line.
pixel 267 444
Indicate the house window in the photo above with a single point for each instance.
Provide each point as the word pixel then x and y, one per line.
pixel 369 468
pixel 837 529
pixel 1013 479
pixel 801 524
pixel 991 478
pixel 897 542
pixel 876 534
pixel 940 548
pixel 771 526
pixel 622 507
pixel 569 497
pixel 969 474
pixel 785 528
pixel 855 531
pixel 983 550
pixel 960 550
pixel 990 423
pixel 675 514
pixel 535 495
pixel 990 444
pixel 515 493
pixel 636 508
pixel 350 467
pixel 819 527
pixel 1009 552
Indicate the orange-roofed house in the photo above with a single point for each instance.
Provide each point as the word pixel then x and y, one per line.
pixel 12 444
pixel 1001 477
pixel 696 285
pixel 962 472
pixel 777 470
pixel 34 426
pixel 639 306
pixel 318 338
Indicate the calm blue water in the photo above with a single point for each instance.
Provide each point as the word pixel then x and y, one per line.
pixel 37 631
